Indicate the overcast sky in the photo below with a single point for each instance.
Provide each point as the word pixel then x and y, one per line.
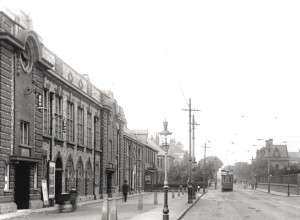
pixel 239 62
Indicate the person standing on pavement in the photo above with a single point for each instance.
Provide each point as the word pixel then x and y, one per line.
pixel 125 188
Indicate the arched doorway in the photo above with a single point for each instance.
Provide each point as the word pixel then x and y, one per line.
pixel 58 176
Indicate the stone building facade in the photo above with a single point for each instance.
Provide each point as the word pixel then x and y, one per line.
pixel 57 129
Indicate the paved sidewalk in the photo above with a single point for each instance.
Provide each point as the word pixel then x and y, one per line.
pixel 177 208
pixel 276 193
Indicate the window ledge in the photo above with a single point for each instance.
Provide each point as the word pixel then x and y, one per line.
pixel 8 190
pixel 36 189
pixel 47 136
pixel 80 145
pixel 25 145
pixel 71 143
pixel 58 139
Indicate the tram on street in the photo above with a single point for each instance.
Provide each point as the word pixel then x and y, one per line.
pixel 227 180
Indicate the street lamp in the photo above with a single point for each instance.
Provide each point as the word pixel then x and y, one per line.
pixel 165 144
pixel 288 169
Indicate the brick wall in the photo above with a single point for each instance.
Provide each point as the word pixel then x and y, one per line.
pixel 6 125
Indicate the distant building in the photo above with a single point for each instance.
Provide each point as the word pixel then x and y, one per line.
pixel 279 157
pixel 294 158
pixel 176 150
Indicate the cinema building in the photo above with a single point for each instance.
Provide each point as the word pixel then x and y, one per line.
pixel 57 130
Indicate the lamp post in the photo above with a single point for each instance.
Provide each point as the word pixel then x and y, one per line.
pixel 164 139
pixel 288 169
pixel 269 146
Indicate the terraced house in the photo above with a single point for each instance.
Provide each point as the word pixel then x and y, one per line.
pixel 57 130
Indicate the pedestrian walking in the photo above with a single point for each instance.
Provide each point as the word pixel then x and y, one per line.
pixel 125 188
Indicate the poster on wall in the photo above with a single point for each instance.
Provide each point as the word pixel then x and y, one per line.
pixel 51 180
pixel 45 192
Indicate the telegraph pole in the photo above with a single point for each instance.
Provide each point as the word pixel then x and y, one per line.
pixel 194 158
pixel 204 167
pixel 253 182
pixel 190 200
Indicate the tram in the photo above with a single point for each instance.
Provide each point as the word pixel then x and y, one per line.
pixel 227 180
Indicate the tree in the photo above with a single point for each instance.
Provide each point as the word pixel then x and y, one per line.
pixel 242 170
pixel 179 172
pixel 212 165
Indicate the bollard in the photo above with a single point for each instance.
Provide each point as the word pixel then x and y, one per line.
pixel 178 192
pixel 113 210
pixel 155 198
pixel 173 195
pixel 182 190
pixel 140 202
pixel 105 208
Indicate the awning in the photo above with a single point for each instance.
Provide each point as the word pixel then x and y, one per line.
pixel 17 159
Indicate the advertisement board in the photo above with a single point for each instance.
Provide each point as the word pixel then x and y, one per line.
pixel 51 180
pixel 45 192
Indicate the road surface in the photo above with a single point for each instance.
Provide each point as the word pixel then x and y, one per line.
pixel 244 204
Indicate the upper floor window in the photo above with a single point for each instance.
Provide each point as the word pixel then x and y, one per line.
pixel 58 117
pixel 97 133
pixel 89 130
pixel 70 122
pixel 110 151
pixel 24 130
pixel 47 112
pixel 80 121
pixel 6 178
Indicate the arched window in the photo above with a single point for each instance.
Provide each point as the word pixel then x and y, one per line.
pixel 80 174
pixel 89 170
pixel 69 172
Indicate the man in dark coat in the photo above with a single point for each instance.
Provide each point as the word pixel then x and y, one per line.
pixel 125 188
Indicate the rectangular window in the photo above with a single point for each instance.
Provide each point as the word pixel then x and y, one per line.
pixel 80 121
pixel 35 176
pixel 89 130
pixel 70 122
pixel 110 151
pixel 97 133
pixel 6 179
pixel 58 117
pixel 24 130
pixel 47 112
pixel 44 167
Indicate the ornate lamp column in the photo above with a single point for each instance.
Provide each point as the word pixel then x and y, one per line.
pixel 164 139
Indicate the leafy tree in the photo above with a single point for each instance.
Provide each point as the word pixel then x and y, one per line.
pixel 179 172
pixel 212 165
pixel 242 170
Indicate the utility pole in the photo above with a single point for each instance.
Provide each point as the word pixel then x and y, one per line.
pixel 193 155
pixel 190 200
pixel 253 182
pixel 204 167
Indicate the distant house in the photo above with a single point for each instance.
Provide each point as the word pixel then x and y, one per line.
pixel 294 158
pixel 279 157
pixel 176 149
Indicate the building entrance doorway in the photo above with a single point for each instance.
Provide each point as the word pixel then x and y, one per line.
pixel 109 184
pixel 58 176
pixel 22 178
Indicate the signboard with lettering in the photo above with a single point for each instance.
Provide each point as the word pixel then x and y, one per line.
pixel 51 180
pixel 45 192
